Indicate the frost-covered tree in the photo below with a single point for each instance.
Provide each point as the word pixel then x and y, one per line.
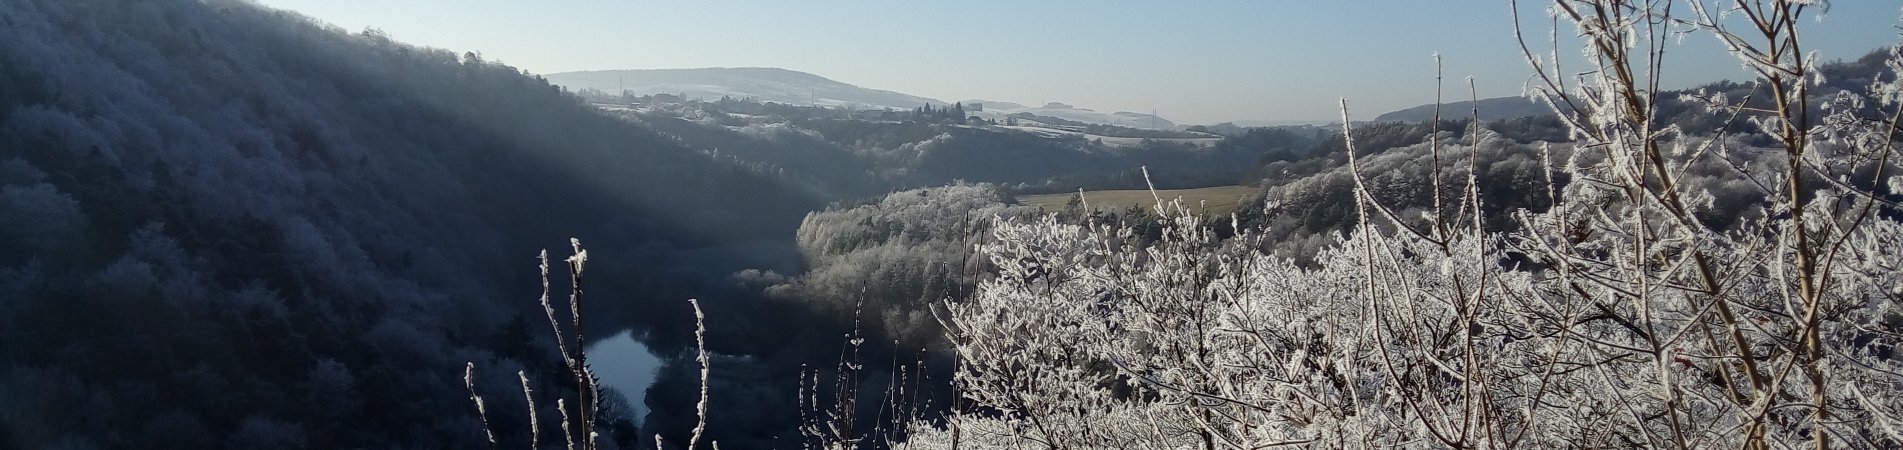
pixel 894 258
pixel 1620 316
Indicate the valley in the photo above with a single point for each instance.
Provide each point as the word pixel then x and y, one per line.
pixel 229 225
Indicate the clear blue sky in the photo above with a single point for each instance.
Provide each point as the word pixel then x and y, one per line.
pixel 1195 62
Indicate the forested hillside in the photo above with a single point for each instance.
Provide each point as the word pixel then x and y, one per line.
pixel 844 153
pixel 228 226
pixel 1302 191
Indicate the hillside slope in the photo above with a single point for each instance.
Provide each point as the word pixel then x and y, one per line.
pixel 233 227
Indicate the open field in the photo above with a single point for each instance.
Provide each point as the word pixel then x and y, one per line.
pixel 1123 142
pixel 1210 200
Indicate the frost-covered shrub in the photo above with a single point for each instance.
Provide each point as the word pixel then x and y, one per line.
pixel 1624 315
pixel 896 257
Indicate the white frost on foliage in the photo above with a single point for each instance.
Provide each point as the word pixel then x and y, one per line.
pixel 1615 319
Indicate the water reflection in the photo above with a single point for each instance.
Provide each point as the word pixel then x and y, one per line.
pixel 625 364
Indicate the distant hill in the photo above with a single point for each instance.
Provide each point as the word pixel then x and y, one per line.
pixel 1490 109
pixel 1838 76
pixel 758 83
pixel 766 84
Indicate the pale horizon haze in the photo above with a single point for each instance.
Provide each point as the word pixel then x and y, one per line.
pixel 1193 62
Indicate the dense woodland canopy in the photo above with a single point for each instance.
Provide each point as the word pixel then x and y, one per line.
pixel 229 226
pixel 233 227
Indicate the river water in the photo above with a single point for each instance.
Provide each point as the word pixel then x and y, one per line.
pixel 625 364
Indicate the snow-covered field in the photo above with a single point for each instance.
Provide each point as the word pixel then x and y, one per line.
pixel 1123 142
pixel 997 110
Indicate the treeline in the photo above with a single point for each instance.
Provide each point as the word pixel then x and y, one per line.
pixel 954 114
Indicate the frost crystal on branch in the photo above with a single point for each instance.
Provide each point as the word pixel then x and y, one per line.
pixel 1682 291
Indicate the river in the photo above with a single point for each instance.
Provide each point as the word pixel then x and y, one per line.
pixel 625 364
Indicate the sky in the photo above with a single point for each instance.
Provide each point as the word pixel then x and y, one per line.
pixel 1193 62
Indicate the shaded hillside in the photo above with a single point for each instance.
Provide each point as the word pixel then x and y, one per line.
pixel 231 227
